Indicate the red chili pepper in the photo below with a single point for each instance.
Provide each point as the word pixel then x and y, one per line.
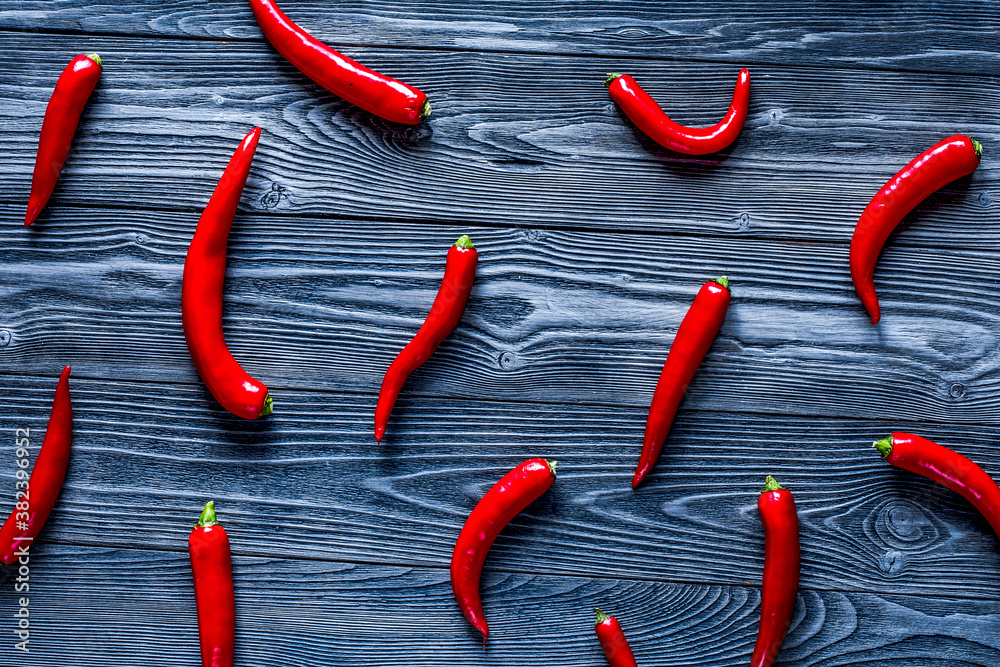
pixel 62 115
pixel 381 95
pixel 612 638
pixel 931 460
pixel 694 336
pixel 781 570
pixel 937 166
pixel 654 123
pixel 446 311
pixel 515 491
pixel 212 566
pixel 201 294
pixel 42 488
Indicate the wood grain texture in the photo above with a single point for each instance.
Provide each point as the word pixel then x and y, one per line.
pixel 960 37
pixel 320 613
pixel 593 242
pixel 526 140
pixel 311 483
pixel 555 316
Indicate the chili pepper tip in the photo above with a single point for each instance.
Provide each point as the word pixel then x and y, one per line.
pixel 978 148
pixel 464 242
pixel 770 484
pixel 610 78
pixel 722 280
pixel 207 517
pixel 425 110
pixel 96 58
pixel 32 214
pixel 552 466
pixel 601 616
pixel 884 446
pixel 268 406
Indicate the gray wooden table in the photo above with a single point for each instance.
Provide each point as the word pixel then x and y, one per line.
pixel 593 242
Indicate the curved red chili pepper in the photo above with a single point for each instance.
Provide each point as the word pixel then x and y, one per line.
pixel 612 638
pixel 212 567
pixel 937 166
pixel 46 478
pixel 654 123
pixel 446 311
pixel 62 115
pixel 381 95
pixel 515 491
pixel 694 336
pixel 931 460
pixel 201 294
pixel 781 570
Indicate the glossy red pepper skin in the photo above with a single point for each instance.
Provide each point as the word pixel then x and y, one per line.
pixel 781 570
pixel 515 491
pixel 937 166
pixel 212 567
pixel 654 123
pixel 201 294
pixel 376 93
pixel 446 311
pixel 694 337
pixel 62 115
pixel 46 478
pixel 931 460
pixel 612 638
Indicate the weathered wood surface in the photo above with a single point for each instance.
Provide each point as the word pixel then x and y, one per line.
pixel 311 483
pixel 593 243
pixel 527 140
pixel 882 35
pixel 555 315
pixel 320 613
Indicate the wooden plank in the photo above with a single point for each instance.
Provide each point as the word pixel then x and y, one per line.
pixel 527 140
pixel 311 483
pixel 555 316
pixel 959 36
pixel 90 607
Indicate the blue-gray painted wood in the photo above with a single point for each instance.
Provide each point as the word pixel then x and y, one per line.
pixel 555 315
pixel 320 613
pixel 531 140
pixel 593 243
pixel 880 35
pixel 311 483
